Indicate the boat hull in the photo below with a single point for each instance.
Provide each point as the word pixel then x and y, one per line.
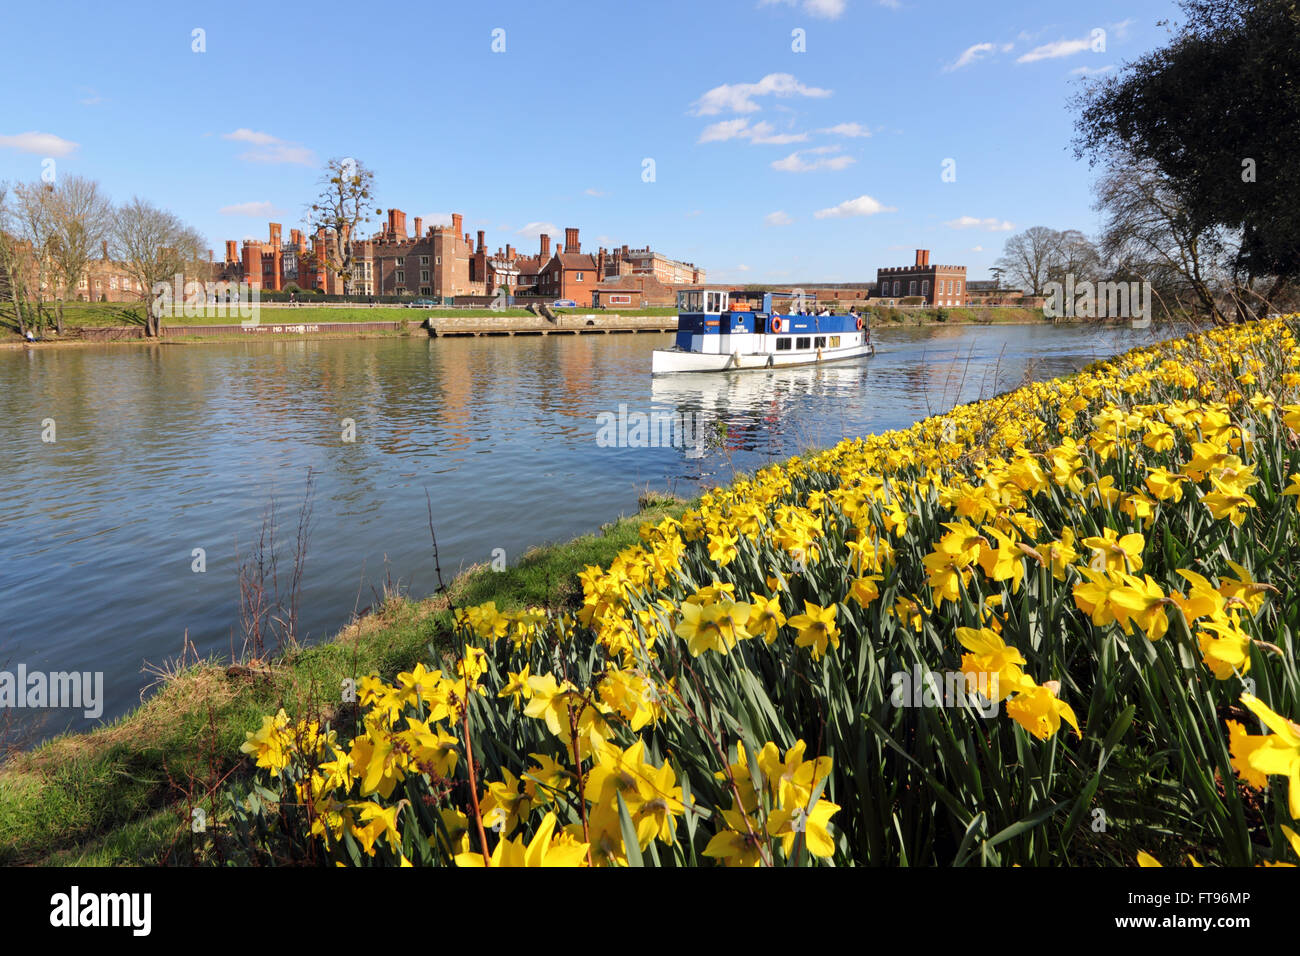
pixel 672 361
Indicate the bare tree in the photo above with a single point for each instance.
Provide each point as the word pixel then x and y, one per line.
pixel 1075 255
pixel 15 259
pixel 34 218
pixel 1027 257
pixel 341 209
pixel 1149 231
pixel 152 245
pixel 80 221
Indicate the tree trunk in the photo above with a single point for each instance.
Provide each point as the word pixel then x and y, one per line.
pixel 1278 287
pixel 58 316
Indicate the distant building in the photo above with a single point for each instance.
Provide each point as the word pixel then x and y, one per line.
pixel 634 292
pixel 624 261
pixel 444 262
pixel 937 285
pixel 571 273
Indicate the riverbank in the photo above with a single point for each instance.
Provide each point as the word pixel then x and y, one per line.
pixel 123 793
pixel 100 324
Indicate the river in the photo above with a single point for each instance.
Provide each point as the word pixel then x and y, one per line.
pixel 121 462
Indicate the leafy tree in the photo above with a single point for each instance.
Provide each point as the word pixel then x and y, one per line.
pixel 1216 113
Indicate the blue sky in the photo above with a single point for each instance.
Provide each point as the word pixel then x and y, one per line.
pixel 770 164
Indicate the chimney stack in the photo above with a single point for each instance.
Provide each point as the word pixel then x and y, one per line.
pixel 419 227
pixel 397 223
pixel 922 257
pixel 510 252
pixel 232 250
pixel 481 247
pixel 571 243
pixel 211 256
pixel 456 220
pixel 546 248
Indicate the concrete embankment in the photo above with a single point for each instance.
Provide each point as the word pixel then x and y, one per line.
pixel 568 324
pixel 436 326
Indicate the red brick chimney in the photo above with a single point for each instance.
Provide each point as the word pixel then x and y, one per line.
pixel 397 223
pixel 232 250
pixel 481 234
pixel 510 252
pixel 419 227
pixel 571 243
pixel 546 248
pixel 922 257
pixel 600 265
pixel 275 235
pixel 456 222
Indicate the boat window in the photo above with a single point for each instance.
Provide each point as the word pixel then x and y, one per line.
pixel 783 344
pixel 803 342
pixel 835 341
pixel 690 301
pixel 821 342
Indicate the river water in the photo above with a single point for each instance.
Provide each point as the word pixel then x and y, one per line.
pixel 158 451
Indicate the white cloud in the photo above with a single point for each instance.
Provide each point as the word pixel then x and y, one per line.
pixel 976 249
pixel 243 135
pixel 828 159
pixel 535 229
pixel 826 9
pixel 1060 48
pixel 89 96
pixel 778 218
pixel 596 192
pixel 760 132
pixel 43 144
pixel 1091 71
pixel 846 129
pixel 862 206
pixel 992 224
pixel 739 97
pixel 248 209
pixel 970 55
pixel 742 267
pixel 442 219
pixel 270 149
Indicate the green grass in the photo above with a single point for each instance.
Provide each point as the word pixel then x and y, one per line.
pixel 118 794
pixel 77 315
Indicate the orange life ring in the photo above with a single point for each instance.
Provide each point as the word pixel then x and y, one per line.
pixel 776 323
pixel 859 323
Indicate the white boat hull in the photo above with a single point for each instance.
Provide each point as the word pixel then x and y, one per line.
pixel 668 361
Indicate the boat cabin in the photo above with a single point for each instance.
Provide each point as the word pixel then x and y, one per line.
pixel 709 322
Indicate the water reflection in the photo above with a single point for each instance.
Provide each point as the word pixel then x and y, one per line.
pixel 163 449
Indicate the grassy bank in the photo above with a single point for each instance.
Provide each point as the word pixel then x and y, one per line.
pixel 123 793
pixel 78 315
pixel 886 318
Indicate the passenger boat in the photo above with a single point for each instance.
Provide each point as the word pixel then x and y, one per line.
pixel 712 336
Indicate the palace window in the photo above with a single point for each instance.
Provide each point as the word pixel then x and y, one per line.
pixel 911 287
pixel 925 287
pixel 400 278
